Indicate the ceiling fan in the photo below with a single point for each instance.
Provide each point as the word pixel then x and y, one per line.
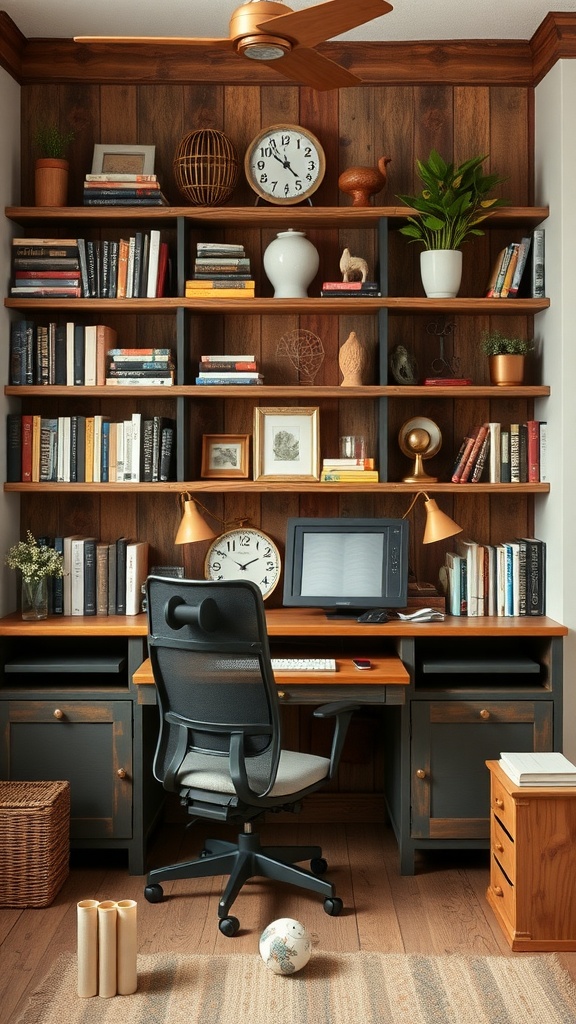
pixel 275 35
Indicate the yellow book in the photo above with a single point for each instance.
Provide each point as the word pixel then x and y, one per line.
pixel 217 285
pixel 351 477
pixel 36 428
pixel 89 450
pixel 219 293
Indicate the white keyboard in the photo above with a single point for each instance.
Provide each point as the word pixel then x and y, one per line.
pixel 304 664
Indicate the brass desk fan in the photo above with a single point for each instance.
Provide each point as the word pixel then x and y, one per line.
pixel 281 38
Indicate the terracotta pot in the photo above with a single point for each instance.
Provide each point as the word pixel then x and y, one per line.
pixel 506 371
pixel 51 182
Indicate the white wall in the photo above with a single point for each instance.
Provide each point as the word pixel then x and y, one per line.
pixel 555 159
pixel 9 196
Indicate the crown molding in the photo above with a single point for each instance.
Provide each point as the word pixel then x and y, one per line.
pixel 457 62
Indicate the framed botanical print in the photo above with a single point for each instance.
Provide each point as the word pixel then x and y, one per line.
pixel 286 443
pixel 225 455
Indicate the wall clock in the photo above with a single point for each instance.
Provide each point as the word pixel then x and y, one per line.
pixel 244 553
pixel 284 164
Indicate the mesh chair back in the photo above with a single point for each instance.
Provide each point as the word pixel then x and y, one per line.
pixel 211 662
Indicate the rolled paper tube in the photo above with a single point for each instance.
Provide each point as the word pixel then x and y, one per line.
pixel 107 946
pixel 127 954
pixel 87 918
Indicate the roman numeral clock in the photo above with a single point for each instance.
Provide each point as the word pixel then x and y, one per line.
pixel 285 164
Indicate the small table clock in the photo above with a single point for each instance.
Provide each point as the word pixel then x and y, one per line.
pixel 285 164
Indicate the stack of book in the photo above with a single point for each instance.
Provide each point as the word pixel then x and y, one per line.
pixel 355 471
pixel 504 579
pixel 123 190
pixel 519 269
pixel 45 268
pixel 229 369
pixel 89 449
pixel 221 271
pixel 131 268
pixel 144 367
pixel 542 768
pixel 350 289
pixel 515 453
pixel 59 353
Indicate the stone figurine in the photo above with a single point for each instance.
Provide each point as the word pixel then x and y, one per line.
pixel 353 267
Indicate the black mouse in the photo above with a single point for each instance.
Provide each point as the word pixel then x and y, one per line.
pixel 374 615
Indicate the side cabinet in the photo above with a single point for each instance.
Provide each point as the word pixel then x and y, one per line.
pixel 69 710
pixel 468 700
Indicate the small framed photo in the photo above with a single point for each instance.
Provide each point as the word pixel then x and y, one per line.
pixel 123 159
pixel 286 443
pixel 225 455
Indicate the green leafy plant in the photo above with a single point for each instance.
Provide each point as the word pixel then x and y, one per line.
pixel 452 203
pixel 34 560
pixel 52 142
pixel 494 343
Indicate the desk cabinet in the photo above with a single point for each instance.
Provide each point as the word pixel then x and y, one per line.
pixel 532 863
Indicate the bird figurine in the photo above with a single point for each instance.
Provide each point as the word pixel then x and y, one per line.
pixel 363 182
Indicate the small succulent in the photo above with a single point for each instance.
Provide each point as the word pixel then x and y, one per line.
pixel 494 343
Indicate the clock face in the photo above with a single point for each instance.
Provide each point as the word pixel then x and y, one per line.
pixel 285 164
pixel 244 554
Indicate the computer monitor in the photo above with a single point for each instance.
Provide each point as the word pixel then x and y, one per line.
pixel 346 566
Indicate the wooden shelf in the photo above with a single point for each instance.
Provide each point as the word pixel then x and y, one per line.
pixel 277 391
pixel 276 486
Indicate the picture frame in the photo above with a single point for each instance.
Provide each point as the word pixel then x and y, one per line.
pixel 287 443
pixel 225 456
pixel 113 159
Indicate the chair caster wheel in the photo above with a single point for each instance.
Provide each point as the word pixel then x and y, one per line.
pixel 154 893
pixel 318 866
pixel 229 926
pixel 333 906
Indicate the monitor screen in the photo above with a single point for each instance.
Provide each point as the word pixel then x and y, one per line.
pixel 346 565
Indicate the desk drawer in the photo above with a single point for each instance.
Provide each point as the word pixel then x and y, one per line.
pixel 504 849
pixel 301 693
pixel 503 892
pixel 503 806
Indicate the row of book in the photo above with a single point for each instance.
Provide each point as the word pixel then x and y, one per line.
pixel 221 271
pixel 350 289
pixel 99 578
pixel 496 579
pixel 519 269
pixel 134 267
pixel 109 189
pixel 349 470
pixel 89 449
pixel 228 369
pixel 513 453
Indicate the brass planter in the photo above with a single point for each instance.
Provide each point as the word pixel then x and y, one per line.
pixel 506 370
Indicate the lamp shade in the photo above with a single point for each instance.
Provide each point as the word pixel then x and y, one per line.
pixel 193 527
pixel 438 524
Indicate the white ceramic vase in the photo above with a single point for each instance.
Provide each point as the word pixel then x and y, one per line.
pixel 291 262
pixel 441 272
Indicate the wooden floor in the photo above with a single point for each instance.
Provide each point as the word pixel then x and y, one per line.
pixel 442 909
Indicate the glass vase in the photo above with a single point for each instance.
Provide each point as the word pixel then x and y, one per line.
pixel 35 599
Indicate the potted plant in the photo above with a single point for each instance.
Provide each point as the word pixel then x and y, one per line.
pixel 452 203
pixel 506 357
pixel 36 562
pixel 51 171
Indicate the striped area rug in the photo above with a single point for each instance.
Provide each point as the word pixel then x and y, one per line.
pixel 334 988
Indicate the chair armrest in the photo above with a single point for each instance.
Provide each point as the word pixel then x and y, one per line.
pixel 342 710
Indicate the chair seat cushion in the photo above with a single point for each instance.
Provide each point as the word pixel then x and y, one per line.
pixel 296 772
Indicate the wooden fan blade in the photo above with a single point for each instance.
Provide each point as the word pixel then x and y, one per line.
pixel 204 44
pixel 310 68
pixel 324 21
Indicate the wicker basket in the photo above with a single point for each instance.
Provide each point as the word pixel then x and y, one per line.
pixel 206 167
pixel 34 842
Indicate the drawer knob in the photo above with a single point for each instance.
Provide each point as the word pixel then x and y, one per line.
pixel 484 713
pixel 420 774
pixel 122 773
pixel 282 694
pixel 499 803
pixel 58 713
pixel 498 891
pixel 499 847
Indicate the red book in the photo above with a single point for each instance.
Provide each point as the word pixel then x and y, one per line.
pixel 476 447
pixel 27 448
pixel 533 431
pixel 30 275
pixel 462 457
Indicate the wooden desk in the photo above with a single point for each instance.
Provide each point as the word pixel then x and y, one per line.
pixel 384 683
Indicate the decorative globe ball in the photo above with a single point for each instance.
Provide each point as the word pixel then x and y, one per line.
pixel 285 946
pixel 206 167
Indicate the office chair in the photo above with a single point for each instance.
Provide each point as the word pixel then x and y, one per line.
pixel 219 744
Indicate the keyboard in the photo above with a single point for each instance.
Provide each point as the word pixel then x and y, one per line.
pixel 304 664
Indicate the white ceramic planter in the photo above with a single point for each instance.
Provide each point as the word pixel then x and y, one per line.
pixel 291 262
pixel 441 272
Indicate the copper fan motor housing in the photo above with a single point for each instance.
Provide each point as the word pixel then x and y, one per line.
pixel 274 34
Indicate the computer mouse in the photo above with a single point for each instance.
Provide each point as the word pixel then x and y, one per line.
pixel 374 615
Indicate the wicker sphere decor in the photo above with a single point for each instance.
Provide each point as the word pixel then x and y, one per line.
pixel 206 167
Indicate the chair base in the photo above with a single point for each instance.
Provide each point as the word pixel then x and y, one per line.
pixel 245 859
